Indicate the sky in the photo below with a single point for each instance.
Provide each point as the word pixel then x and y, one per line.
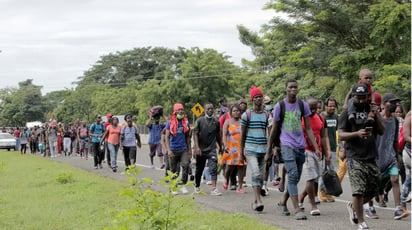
pixel 54 41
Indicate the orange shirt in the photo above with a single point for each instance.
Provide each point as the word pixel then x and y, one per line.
pixel 113 137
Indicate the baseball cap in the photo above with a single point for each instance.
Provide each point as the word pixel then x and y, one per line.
pixel 109 115
pixel 360 89
pixel 389 97
pixel 98 116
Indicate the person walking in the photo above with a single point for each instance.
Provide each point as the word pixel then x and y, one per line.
pixel 96 131
pixel 130 138
pixel 287 133
pixel 155 136
pixel 331 120
pixel 406 154
pixel 206 135
pixel 361 152
pixel 24 139
pixel 113 141
pixel 253 142
pixel 178 144
pixel 387 159
pixel 313 164
pixel 231 142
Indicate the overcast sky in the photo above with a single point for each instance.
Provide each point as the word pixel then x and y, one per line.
pixel 55 41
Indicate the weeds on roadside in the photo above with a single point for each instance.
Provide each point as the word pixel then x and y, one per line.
pixel 65 178
pixel 152 209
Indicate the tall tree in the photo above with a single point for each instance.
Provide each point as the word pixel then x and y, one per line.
pixel 22 104
pixel 323 43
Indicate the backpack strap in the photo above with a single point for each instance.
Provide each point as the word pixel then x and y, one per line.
pixel 249 115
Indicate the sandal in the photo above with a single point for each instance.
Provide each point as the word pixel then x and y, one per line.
pixel 315 212
pixel 281 187
pixel 241 191
pixel 224 186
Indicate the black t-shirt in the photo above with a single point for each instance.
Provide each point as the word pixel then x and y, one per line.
pixel 357 148
pixel 208 129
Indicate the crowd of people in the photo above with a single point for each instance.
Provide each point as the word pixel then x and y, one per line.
pixel 278 143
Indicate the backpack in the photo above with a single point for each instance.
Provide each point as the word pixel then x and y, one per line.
pixel 282 117
pixel 249 115
pixel 93 127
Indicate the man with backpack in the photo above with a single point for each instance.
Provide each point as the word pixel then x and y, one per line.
pixel 96 132
pixel 253 143
pixel 287 133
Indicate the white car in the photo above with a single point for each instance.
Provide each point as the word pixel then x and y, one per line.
pixel 7 141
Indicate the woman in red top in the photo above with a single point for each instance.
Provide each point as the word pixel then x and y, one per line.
pixel 113 139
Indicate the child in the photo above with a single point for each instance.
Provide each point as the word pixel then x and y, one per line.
pixel 365 77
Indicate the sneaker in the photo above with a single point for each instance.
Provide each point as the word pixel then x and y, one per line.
pixel 282 208
pixel 152 167
pixel 317 201
pixel 352 215
pixel 215 192
pixel 300 215
pixel 408 199
pixel 95 167
pixel 363 225
pixel 163 166
pixel 100 166
pixel 301 207
pixel 197 190
pixel 114 169
pixel 184 190
pixel 244 183
pixel 209 182
pixel 400 213
pixel 232 187
pixel 258 207
pixel 264 191
pixel 371 213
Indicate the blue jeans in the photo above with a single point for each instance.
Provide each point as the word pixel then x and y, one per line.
pixel 113 149
pixel 294 160
pixel 406 187
pixel 256 162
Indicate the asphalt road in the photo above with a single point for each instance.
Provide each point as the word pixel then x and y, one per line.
pixel 333 215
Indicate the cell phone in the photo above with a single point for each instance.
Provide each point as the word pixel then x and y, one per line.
pixel 368 129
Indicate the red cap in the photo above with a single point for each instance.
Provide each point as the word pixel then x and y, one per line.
pixel 109 115
pixel 254 91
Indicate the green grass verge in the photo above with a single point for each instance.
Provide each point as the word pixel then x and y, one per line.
pixel 37 193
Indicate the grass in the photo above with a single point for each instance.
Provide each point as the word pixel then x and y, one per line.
pixel 37 193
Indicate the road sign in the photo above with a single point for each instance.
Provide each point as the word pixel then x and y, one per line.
pixel 197 110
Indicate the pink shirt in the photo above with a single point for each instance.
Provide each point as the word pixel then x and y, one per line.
pixel 113 137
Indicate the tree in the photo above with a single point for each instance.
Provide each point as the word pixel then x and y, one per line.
pixel 22 105
pixel 324 44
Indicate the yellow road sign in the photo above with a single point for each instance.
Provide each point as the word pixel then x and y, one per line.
pixel 198 109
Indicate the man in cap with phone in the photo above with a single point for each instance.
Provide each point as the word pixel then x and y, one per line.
pixel 361 152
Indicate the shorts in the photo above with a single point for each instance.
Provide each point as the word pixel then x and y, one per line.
pixel 312 167
pixel 156 148
pixel 364 177
pixel 392 171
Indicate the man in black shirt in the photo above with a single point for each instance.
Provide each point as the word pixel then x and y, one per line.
pixel 361 152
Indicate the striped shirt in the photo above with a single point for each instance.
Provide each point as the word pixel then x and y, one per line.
pixel 256 139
